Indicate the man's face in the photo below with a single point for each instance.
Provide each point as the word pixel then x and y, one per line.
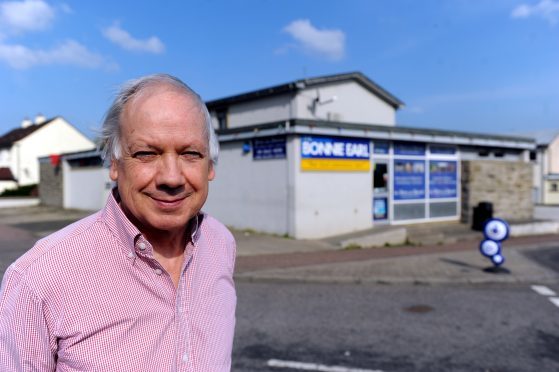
pixel 164 169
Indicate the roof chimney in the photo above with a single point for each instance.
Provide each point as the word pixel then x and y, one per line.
pixel 40 119
pixel 26 123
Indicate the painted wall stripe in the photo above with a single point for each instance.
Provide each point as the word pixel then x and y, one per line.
pixel 314 367
pixel 543 290
pixel 554 300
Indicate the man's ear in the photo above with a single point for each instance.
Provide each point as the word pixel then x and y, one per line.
pixel 211 173
pixel 113 170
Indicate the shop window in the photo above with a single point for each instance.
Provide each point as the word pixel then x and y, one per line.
pixel 443 209
pixel 409 211
pixel 380 178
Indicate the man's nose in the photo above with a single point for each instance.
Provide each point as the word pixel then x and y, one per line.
pixel 170 172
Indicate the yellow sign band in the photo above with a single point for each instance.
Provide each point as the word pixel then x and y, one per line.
pixel 336 165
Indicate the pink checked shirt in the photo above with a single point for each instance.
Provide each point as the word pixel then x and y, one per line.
pixel 91 297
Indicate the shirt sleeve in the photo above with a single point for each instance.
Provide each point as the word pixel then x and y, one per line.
pixel 26 343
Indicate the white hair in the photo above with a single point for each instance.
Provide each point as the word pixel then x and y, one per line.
pixel 109 139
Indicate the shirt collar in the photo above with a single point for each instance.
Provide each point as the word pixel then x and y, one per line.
pixel 128 234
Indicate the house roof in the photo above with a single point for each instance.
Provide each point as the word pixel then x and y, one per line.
pixel 296 85
pixel 544 137
pixel 6 174
pixel 8 139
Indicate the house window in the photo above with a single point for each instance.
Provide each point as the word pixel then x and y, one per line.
pixel 532 155
pixel 221 116
pixel 554 187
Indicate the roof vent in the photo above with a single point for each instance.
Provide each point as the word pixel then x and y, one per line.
pixel 40 119
pixel 26 123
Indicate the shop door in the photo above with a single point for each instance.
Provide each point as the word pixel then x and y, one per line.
pixel 381 191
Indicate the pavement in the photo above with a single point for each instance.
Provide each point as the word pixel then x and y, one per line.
pixel 433 253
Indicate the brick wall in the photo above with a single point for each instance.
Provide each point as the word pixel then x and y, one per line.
pixel 50 184
pixel 506 184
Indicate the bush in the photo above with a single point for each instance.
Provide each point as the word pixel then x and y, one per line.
pixel 29 190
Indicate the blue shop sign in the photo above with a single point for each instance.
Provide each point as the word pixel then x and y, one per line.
pixel 334 148
pixel 409 148
pixel 409 179
pixel 268 148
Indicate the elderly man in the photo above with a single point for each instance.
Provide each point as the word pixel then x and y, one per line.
pixel 146 283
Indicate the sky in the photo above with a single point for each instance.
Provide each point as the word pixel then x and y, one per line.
pixel 466 65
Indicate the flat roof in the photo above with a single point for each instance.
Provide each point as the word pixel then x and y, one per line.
pixel 379 132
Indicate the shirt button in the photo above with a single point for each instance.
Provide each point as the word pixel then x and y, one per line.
pixel 131 255
pixel 185 358
pixel 158 271
pixel 142 246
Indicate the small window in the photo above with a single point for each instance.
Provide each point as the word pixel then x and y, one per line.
pixel 554 187
pixel 532 155
pixel 483 153
pixel 221 116
pixel 499 153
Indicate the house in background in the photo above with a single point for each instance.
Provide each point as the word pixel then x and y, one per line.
pixel 546 167
pixel 20 148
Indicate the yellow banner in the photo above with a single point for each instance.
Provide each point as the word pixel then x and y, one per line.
pixel 336 165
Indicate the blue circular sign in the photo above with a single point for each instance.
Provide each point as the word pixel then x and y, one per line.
pixel 490 248
pixel 496 229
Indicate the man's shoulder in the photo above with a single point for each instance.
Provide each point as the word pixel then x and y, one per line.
pixel 63 243
pixel 210 225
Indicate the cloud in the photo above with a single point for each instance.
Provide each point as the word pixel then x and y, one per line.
pixel 547 9
pixel 123 39
pixel 329 43
pixel 28 15
pixel 69 52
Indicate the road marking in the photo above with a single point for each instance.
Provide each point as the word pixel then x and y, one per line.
pixel 314 367
pixel 554 300
pixel 543 290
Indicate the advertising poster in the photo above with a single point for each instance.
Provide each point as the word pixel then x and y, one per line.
pixel 409 179
pixel 380 208
pixel 268 148
pixel 335 154
pixel 442 179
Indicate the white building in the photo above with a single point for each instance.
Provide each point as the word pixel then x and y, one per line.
pixel 323 156
pixel 546 167
pixel 20 148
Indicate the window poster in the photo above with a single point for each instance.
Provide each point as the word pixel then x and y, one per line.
pixel 409 179
pixel 380 208
pixel 443 177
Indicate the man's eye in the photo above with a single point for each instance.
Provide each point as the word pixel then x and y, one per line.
pixel 143 155
pixel 192 154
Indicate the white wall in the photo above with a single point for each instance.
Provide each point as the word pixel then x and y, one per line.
pixel 4 185
pixel 553 156
pixel 330 203
pixel 353 104
pixel 5 157
pixel 54 138
pixel 260 111
pixel 85 188
pixel 249 193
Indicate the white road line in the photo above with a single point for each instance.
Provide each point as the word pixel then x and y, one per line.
pixel 543 290
pixel 554 300
pixel 314 367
